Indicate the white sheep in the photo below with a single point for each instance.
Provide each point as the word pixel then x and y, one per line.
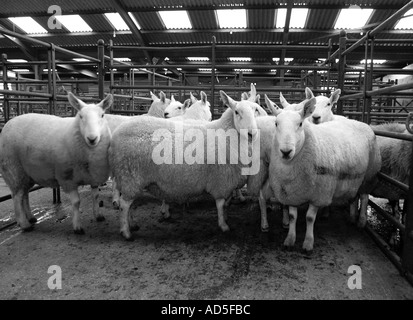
pixel 52 152
pixel 156 109
pixel 254 97
pixel 131 157
pixel 323 109
pixel 193 110
pixel 329 163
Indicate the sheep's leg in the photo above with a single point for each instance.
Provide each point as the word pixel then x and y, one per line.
pixel 290 240
pixel 240 195
pixel 19 210
pixel 364 200
pixel 165 210
pixel 354 210
pixel 228 201
pixel 95 201
pixel 115 195
pixel 75 201
pixel 221 215
pixel 286 217
pixel 263 209
pixel 29 215
pixel 124 218
pixel 309 234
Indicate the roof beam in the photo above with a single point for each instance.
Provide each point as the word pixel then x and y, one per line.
pixel 285 40
pixel 131 25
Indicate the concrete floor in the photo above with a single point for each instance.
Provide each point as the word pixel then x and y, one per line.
pixel 187 257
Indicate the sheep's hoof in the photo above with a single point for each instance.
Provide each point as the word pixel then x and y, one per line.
pixel 28 229
pixel 100 218
pixel 79 231
pixel 289 242
pixel 224 228
pixel 286 225
pixel 265 229
pixel 361 224
pixel 307 252
pixel 308 247
pixel 115 205
pixel 127 235
pixel 134 227
pixel 33 220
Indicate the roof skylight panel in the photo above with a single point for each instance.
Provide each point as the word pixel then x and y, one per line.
pixel 28 25
pixel 239 59
pixel 198 58
pixel 352 18
pixel 116 21
pixel 176 19
pixel 232 18
pixel 297 20
pixel 134 20
pixel 74 23
pixel 405 22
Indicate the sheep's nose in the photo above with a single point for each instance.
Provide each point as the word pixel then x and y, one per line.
pixel 92 140
pixel 316 119
pixel 286 153
pixel 166 114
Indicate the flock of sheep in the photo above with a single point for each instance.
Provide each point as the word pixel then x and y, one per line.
pixel 306 155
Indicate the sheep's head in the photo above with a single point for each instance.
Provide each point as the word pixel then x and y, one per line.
pixel 200 109
pixel 158 105
pixel 243 115
pixel 289 129
pixel 175 108
pixel 323 112
pixel 91 118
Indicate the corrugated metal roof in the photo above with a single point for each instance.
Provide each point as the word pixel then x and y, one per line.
pixel 260 19
pixel 321 18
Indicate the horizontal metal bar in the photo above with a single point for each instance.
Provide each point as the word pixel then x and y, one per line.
pixel 128 111
pixel 402 186
pixel 394 258
pixel 387 216
pixel 25 93
pixel 382 70
pixel 372 93
pixel 8 197
pixel 379 114
pixel 221 66
pixel 396 135
pixel 161 48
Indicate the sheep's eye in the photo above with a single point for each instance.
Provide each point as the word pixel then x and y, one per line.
pixel 328 104
pixel 103 115
pixel 179 108
pixel 276 124
pixel 80 116
pixel 301 124
pixel 236 112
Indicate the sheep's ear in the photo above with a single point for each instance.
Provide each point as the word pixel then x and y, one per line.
pixel 334 97
pixel 227 100
pixel 172 98
pixel 308 108
pixel 283 102
pixel 203 97
pixel 244 96
pixel 308 93
pixel 75 102
pixel 253 90
pixel 162 96
pixel 107 102
pixel 275 110
pixel 154 97
pixel 187 104
pixel 257 99
pixel 193 99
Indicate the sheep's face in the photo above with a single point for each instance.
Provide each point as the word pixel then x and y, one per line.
pixel 323 112
pixel 243 116
pixel 159 104
pixel 174 109
pixel 289 126
pixel 92 122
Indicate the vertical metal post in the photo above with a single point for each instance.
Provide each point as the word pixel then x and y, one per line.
pixel 212 106
pixel 54 79
pixel 49 80
pixel 370 81
pixel 101 68
pixel 330 47
pixel 341 69
pixel 6 106
pixel 407 254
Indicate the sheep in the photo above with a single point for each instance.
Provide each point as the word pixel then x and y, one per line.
pixel 395 156
pixel 332 162
pixel 131 155
pixel 52 152
pixel 156 109
pixel 323 112
pixel 254 97
pixel 193 110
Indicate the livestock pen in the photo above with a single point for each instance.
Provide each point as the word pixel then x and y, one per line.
pixel 187 256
